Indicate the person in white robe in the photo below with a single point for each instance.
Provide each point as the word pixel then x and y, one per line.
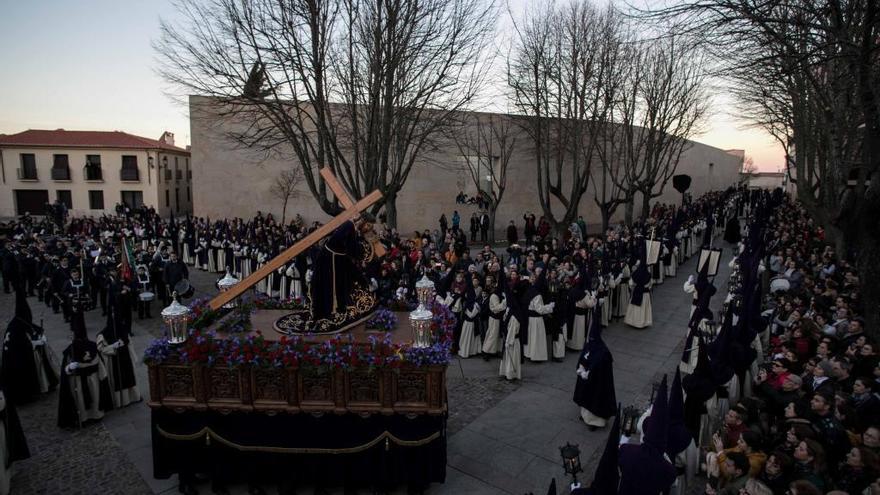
pixel 603 298
pixel 120 368
pixel 469 344
pixel 536 347
pixel 497 308
pixel 639 313
pixel 84 394
pixel 583 303
pixel 672 266
pixel 511 359
pixel 622 295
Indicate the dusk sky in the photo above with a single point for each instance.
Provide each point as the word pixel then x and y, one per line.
pixel 89 65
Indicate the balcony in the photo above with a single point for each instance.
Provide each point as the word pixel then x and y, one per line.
pixel 178 174
pixel 189 175
pixel 167 175
pixel 28 173
pixel 61 173
pixel 93 173
pixel 129 175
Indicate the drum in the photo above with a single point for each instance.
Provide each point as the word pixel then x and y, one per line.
pixel 184 289
pixel 146 296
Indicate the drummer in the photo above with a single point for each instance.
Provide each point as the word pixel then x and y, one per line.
pixel 144 295
pixel 175 271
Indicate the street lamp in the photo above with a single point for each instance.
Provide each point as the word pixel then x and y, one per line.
pixel 571 460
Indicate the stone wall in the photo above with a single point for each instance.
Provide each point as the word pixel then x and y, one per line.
pixel 230 181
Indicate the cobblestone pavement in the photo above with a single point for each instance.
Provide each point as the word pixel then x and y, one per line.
pixel 85 461
pixel 503 436
pixel 470 397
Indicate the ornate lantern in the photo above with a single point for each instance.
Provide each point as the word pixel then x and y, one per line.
pixel 630 420
pixel 176 316
pixel 571 460
pixel 226 283
pixel 422 318
pixel 424 291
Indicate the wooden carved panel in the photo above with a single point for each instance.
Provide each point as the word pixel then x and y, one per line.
pixel 177 381
pixel 270 384
pixel 224 384
pixel 412 387
pixel 363 386
pixel 316 387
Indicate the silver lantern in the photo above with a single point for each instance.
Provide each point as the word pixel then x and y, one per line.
pixel 226 283
pixel 424 291
pixel 422 318
pixel 176 316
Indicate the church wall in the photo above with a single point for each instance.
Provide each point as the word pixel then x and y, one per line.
pixel 233 182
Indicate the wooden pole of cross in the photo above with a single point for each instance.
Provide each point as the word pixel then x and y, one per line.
pixel 352 210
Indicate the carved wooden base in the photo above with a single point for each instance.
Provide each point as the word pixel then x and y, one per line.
pixel 408 390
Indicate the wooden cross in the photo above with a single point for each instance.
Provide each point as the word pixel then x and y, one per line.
pixel 352 210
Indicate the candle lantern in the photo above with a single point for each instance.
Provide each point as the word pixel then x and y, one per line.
pixel 176 316
pixel 571 460
pixel 424 291
pixel 226 283
pixel 422 318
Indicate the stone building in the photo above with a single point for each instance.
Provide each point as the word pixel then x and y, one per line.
pixel 231 181
pixel 92 171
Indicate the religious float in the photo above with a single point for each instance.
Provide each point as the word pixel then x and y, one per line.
pixel 327 388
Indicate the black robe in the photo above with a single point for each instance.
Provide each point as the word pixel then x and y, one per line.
pixel 67 413
pixel 596 393
pixel 19 365
pixel 16 443
pixel 336 272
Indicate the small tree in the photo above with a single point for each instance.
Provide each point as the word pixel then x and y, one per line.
pixel 749 169
pixel 285 188
pixel 487 145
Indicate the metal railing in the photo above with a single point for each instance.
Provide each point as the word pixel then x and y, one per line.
pixel 129 174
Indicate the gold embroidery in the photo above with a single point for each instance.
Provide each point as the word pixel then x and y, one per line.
pixel 209 434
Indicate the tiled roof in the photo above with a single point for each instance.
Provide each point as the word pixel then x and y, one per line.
pixel 84 139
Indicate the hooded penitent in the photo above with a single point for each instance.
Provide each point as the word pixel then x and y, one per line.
pixel 644 468
pixel 19 366
pixel 607 478
pixel 679 436
pixel 596 393
pixel 640 277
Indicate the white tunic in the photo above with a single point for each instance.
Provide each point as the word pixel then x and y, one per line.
pixel 623 293
pixel 672 268
pixel 469 344
pixel 640 316
pixel 536 350
pixel 497 305
pixel 580 328
pixel 93 381
pixel 511 363
pixel 126 396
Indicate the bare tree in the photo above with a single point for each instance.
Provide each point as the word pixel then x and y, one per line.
pixel 749 169
pixel 557 75
pixel 359 86
pixel 285 187
pixel 662 106
pixel 807 71
pixel 487 142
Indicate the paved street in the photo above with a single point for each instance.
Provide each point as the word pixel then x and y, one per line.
pixel 503 437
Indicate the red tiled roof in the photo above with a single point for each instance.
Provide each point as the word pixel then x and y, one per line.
pixel 84 139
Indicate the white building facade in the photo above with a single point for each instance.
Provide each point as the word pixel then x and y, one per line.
pixel 92 171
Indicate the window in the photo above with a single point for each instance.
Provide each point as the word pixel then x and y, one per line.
pixel 189 174
pixel 188 199
pixel 167 198
pixel 65 197
pixel 129 170
pixel 177 199
pixel 132 199
pixel 60 167
pixel 28 170
pixel 93 168
pixel 167 175
pixel 96 200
